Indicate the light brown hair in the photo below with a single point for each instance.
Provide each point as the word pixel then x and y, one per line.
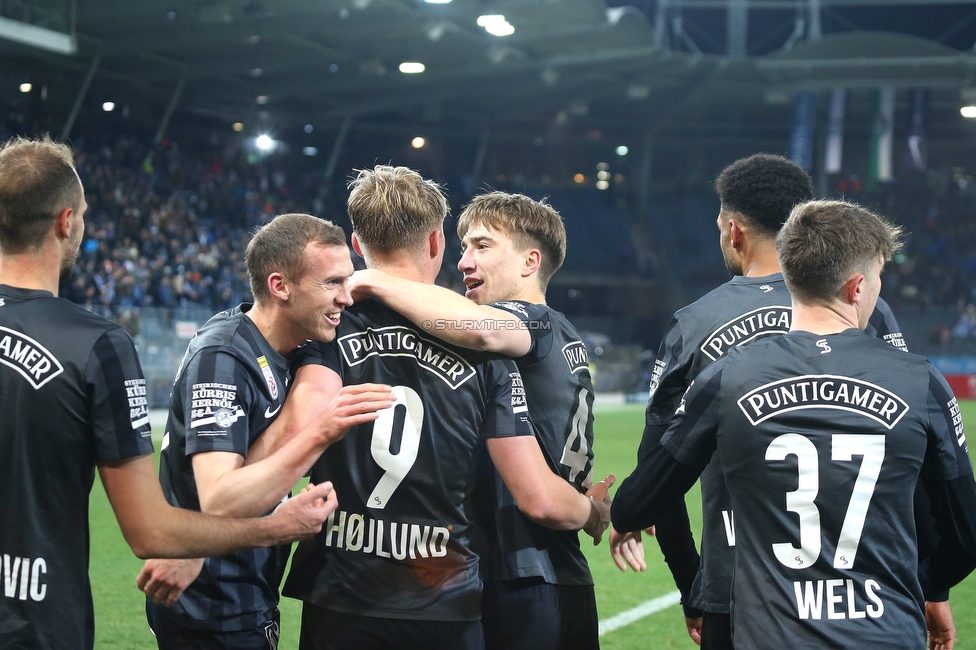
pixel 394 207
pixel 279 247
pixel 37 181
pixel 824 243
pixel 530 224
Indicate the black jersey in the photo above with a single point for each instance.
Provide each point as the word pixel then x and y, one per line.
pixel 560 396
pixel 736 313
pixel 73 396
pixel 230 387
pixel 400 545
pixel 822 440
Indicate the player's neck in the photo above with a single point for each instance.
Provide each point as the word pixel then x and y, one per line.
pixel 760 260
pixel 31 271
pixel 405 269
pixel 823 319
pixel 276 329
pixel 530 293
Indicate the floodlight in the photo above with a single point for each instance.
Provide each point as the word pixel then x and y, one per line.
pixel 310 151
pixel 108 107
pixel 412 67
pixel 238 126
pixel 500 29
pixel 968 111
pixel 264 142
pixel 622 150
pixel 25 87
pixel 418 142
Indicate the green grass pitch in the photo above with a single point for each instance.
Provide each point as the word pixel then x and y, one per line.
pixel 120 608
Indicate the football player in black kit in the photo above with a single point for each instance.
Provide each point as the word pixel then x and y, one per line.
pixel 229 389
pixel 73 397
pixel 822 434
pixel 396 566
pixel 757 194
pixel 538 587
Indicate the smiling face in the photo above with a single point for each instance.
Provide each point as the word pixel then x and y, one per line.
pixel 318 298
pixel 491 264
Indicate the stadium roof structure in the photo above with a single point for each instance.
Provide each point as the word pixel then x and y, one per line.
pixel 668 68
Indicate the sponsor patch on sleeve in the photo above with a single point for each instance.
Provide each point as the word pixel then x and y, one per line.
pixel 135 392
pixel 519 404
pixel 214 403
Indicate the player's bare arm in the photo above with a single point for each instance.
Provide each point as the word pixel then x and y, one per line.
pixel 312 391
pixel 153 528
pixel 228 487
pixel 465 324
pixel 545 497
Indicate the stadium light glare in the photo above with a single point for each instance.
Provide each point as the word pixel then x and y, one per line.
pixel 622 150
pixel 602 185
pixel 500 29
pixel 487 19
pixel 310 151
pixel 108 107
pixel 579 178
pixel 603 175
pixel 238 126
pixel 309 128
pixel 412 67
pixel 438 2
pixel 968 111
pixel 418 143
pixel 264 142
pixel 25 87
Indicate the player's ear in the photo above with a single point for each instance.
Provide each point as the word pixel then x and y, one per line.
pixel 531 262
pixel 62 223
pixel 278 286
pixel 435 243
pixel 356 246
pixel 735 233
pixel 854 289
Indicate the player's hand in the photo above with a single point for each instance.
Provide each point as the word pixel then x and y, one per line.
pixel 694 626
pixel 627 549
pixel 165 580
pixel 302 516
pixel 353 405
pixel 600 512
pixel 942 629
pixel 360 283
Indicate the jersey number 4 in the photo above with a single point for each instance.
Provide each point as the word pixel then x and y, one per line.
pixel 844 447
pixel 395 443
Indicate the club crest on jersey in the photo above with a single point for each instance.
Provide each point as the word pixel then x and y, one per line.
pixel 28 357
pixel 269 376
pixel 400 341
pixel 575 355
pixel 823 391
pixel 742 329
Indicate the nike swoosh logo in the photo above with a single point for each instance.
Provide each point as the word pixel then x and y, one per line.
pixel 268 413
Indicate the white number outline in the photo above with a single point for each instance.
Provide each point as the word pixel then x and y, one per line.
pixel 396 465
pixel 844 447
pixel 576 460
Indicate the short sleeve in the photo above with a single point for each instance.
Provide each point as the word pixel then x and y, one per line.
pixel 217 397
pixel 315 353
pixel 507 409
pixel 536 319
pixel 119 408
pixel 947 455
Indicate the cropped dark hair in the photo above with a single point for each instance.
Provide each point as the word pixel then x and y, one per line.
pixel 764 188
pixel 37 181
pixel 279 247
pixel 825 242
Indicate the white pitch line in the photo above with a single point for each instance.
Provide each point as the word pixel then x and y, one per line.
pixel 644 609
